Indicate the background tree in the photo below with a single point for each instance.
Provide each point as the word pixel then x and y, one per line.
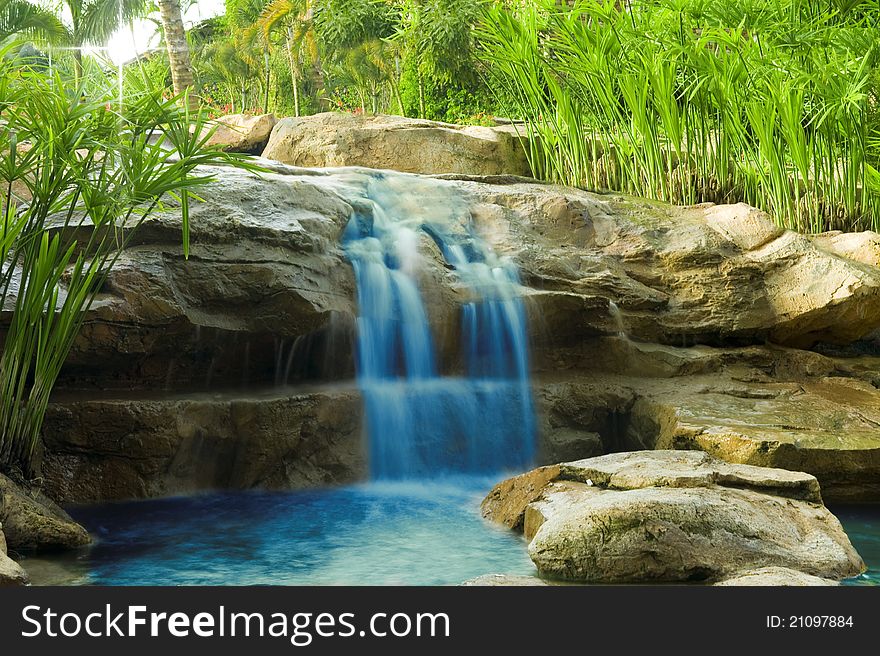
pixel 178 50
pixel 19 18
pixel 92 22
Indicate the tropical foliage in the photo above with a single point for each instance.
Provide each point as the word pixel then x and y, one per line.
pixel 772 103
pixel 78 178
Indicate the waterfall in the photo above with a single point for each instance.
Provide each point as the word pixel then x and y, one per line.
pixel 420 421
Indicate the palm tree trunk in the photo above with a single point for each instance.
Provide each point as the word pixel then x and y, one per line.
pixel 178 50
pixel 293 72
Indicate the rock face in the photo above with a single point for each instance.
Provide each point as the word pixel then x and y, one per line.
pixel 718 275
pixel 265 292
pixel 679 516
pixel 11 572
pixel 32 522
pixel 398 143
pixel 243 133
pixel 138 448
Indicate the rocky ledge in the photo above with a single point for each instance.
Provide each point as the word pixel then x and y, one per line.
pixel 673 516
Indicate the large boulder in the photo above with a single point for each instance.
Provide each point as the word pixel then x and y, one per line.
pixel 677 517
pixel 397 143
pixel 265 293
pixel 33 522
pixel 243 133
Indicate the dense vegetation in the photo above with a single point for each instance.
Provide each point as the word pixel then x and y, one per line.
pixel 770 102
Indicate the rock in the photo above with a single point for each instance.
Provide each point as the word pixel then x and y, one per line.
pixel 775 576
pixel 652 327
pixel 243 133
pixel 123 448
pixel 398 143
pixel 826 426
pixel 32 522
pixel 717 275
pixel 11 573
pixel 676 516
pixel 507 501
pixel 266 294
pixel 505 580
pixel 862 247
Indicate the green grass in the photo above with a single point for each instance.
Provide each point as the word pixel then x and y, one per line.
pixel 769 102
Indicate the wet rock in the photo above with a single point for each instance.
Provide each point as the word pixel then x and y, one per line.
pixel 33 522
pixel 826 426
pixel 266 294
pixel 243 133
pixel 398 143
pixel 775 576
pixel 11 573
pixel 677 516
pixel 119 448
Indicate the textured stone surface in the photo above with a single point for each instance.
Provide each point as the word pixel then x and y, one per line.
pixel 674 516
pixel 11 573
pixel 398 143
pixel 136 448
pixel 649 326
pixel 32 522
pixel 243 133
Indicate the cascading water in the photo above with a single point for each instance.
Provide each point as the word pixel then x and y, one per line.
pixel 421 422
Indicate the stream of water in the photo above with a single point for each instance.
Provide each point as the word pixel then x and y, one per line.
pixel 421 422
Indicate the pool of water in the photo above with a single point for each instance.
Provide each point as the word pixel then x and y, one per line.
pixel 377 534
pixel 862 524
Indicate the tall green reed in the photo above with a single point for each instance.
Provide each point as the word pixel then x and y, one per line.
pixel 691 101
pixel 78 177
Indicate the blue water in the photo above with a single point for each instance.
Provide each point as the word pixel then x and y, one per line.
pixel 862 525
pixel 377 534
pixel 419 421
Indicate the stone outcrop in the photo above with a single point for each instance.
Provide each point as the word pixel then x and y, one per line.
pixel 678 517
pixel 243 133
pixel 717 275
pixel 395 142
pixel 265 294
pixel 33 522
pixel 121 448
